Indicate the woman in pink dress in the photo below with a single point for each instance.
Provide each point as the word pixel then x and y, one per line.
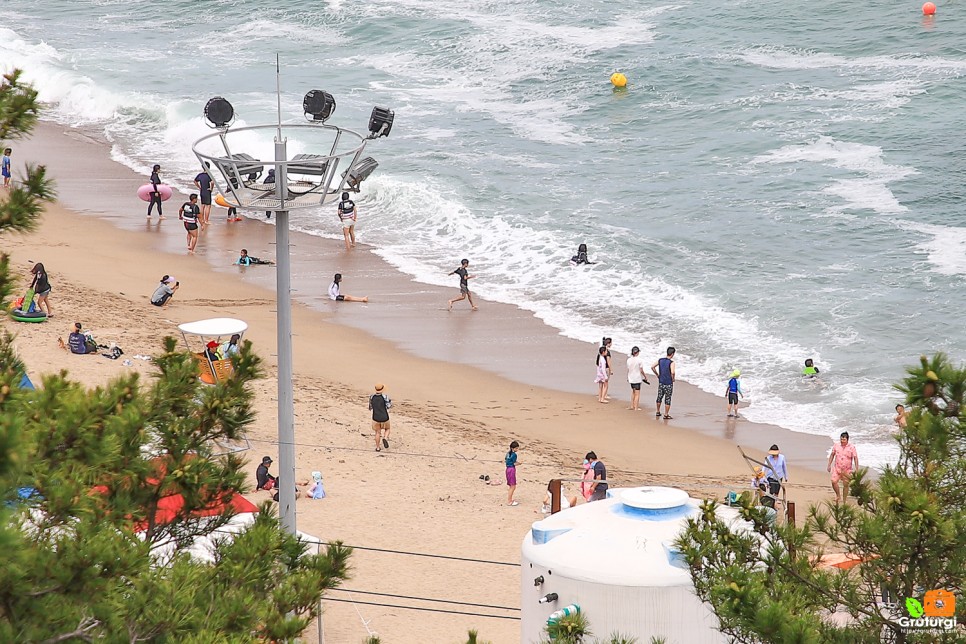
pixel 603 373
pixel 842 463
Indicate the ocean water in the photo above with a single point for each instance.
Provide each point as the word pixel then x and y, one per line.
pixel 772 185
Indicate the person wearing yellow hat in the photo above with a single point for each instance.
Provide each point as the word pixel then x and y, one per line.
pixel 732 393
pixel 759 484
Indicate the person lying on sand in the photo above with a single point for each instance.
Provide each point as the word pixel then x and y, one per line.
pixel 247 260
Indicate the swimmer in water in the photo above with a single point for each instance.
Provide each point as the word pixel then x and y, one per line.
pixel 810 370
pixel 581 256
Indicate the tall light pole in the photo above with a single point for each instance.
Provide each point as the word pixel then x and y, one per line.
pixel 238 176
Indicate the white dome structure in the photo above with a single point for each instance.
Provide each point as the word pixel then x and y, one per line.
pixel 615 559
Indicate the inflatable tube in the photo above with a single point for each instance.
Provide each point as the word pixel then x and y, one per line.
pixel 220 200
pixel 144 192
pixel 18 315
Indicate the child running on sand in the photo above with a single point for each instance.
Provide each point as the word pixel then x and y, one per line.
pixel 464 285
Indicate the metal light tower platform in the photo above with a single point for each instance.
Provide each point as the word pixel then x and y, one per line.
pixel 304 181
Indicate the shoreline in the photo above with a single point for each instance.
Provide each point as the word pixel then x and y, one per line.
pixel 411 315
pixel 452 419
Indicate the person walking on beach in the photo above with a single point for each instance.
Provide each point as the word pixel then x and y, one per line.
pixel 635 376
pixel 598 489
pixel 204 184
pixel 5 167
pixel 510 460
pixel 664 370
pixel 334 293
pixel 41 286
pixel 189 214
pixel 606 342
pixel 464 285
pixel 843 461
pixel 732 392
pixel 380 404
pixel 269 180
pixel 776 471
pixel 347 215
pixel 602 375
pixel 155 194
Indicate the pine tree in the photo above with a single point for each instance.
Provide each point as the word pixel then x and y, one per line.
pixel 89 550
pixel 908 528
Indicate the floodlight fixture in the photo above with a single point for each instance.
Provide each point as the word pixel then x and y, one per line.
pixel 219 112
pixel 318 105
pixel 380 122
pixel 360 172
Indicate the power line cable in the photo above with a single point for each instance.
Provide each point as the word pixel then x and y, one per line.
pixel 426 599
pixel 422 608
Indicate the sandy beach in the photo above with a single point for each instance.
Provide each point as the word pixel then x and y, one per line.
pixel 464 385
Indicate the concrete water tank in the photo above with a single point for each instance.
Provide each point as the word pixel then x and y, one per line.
pixel 615 559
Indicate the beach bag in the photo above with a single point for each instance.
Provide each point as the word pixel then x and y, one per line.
pixel 269 485
pixel 731 499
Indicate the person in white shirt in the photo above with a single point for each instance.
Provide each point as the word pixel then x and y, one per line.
pixel 635 376
pixel 334 293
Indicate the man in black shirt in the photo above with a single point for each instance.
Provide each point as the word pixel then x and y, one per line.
pixel 599 486
pixel 262 477
pixel 464 285
pixel 204 183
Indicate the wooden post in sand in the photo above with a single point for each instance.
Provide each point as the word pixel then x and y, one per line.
pixel 790 513
pixel 554 496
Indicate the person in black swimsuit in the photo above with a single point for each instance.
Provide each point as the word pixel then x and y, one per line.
pixel 189 214
pixel 204 183
pixel 155 195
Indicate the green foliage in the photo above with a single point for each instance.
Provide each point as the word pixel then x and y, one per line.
pixel 87 556
pixel 24 202
pixel 908 527
pixel 372 639
pixel 571 629
pixel 472 637
pixel 18 107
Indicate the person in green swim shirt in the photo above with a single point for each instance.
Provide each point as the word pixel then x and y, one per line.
pixel 810 370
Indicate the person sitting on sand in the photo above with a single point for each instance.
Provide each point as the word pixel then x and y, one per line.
pixel 900 418
pixel 165 291
pixel 581 256
pixel 314 485
pixel 264 480
pixel 334 293
pixel 565 501
pixel 247 260
pixel 78 342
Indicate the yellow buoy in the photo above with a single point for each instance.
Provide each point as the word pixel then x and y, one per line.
pixel 618 79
